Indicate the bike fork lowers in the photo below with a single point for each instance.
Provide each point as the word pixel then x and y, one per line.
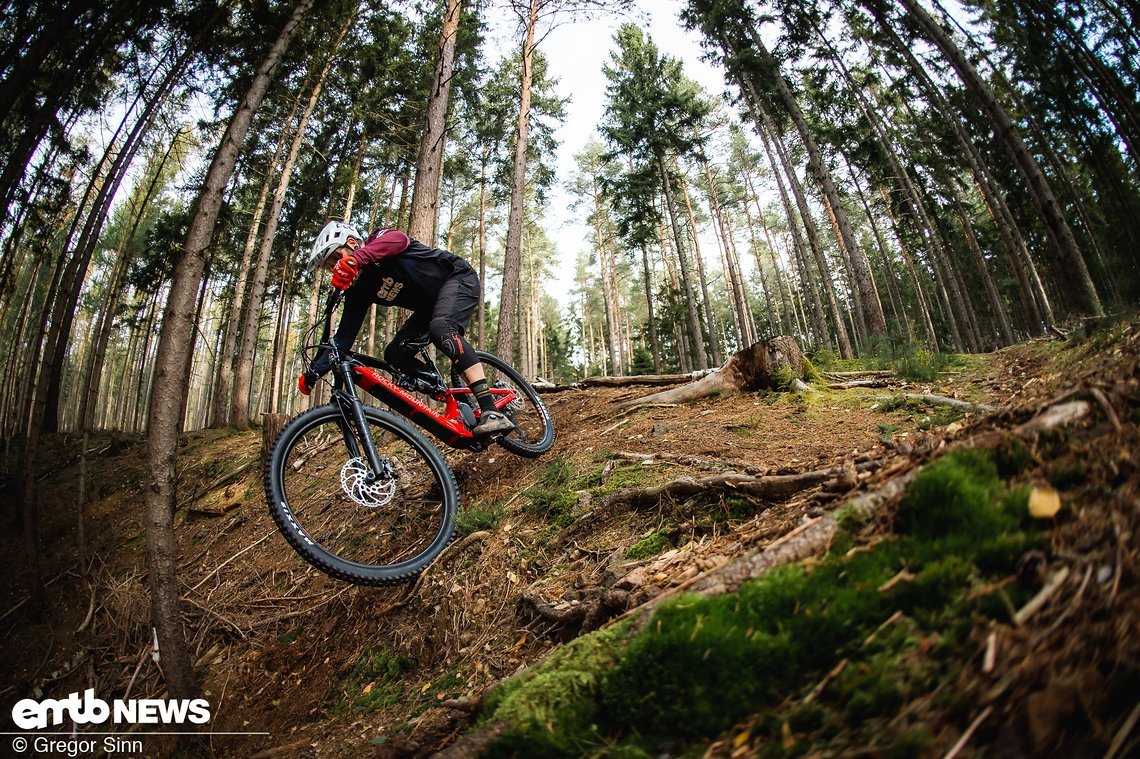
pixel 353 409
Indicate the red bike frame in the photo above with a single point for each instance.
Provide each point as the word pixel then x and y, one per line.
pixel 449 427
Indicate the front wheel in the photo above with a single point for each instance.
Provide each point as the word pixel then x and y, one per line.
pixel 533 434
pixel 367 531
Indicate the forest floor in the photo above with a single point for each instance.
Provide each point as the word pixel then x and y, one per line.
pixel 1026 645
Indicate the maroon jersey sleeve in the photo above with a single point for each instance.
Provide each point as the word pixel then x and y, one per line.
pixel 381 244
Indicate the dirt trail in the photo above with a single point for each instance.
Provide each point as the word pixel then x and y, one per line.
pixel 332 670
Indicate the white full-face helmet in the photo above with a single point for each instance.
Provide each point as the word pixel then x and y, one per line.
pixel 334 234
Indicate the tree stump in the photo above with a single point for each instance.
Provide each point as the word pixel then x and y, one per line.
pixel 271 426
pixel 765 365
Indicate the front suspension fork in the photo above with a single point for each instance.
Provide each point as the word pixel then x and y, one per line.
pixel 351 406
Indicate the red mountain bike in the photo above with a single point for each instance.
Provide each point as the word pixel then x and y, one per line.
pixel 363 495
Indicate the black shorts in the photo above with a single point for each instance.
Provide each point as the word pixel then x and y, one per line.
pixel 457 300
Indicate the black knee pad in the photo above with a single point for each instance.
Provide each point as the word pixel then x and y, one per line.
pixel 448 336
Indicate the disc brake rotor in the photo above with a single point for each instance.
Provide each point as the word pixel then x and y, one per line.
pixel 354 482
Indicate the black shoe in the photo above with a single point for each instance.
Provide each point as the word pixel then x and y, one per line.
pixel 491 422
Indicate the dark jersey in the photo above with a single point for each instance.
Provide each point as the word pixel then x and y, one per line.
pixel 410 278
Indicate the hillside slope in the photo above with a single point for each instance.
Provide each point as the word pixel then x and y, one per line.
pixel 552 549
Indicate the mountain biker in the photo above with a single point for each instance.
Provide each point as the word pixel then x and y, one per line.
pixel 391 269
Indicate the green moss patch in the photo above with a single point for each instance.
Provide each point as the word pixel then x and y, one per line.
pixel 901 614
pixel 375 682
pixel 651 545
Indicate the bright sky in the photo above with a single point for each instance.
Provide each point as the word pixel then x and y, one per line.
pixel 577 51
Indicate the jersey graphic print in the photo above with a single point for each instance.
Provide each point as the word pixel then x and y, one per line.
pixel 389 288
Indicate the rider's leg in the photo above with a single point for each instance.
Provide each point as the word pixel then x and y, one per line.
pixel 457 301
pixel 398 353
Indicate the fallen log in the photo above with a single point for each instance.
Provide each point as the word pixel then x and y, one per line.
pixel 767 364
pixel 871 382
pixel 1052 417
pixel 632 380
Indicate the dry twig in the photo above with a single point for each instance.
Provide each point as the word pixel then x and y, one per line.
pixel 1051 586
pixel 961 744
pixel 1106 407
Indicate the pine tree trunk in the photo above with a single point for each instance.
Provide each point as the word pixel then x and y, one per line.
pixel 816 247
pixel 240 411
pixel 512 257
pixel 483 244
pixel 68 298
pixel 992 295
pixel 869 312
pixel 653 340
pixel 710 319
pixel 101 332
pixel 900 313
pixel 1006 225
pixel 348 203
pixel 429 162
pixel 623 353
pixel 916 283
pixel 224 381
pixel 775 313
pixel 604 264
pixel 172 379
pixel 699 356
pixel 1069 254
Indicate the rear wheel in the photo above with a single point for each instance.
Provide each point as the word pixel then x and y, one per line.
pixel 366 532
pixel 534 432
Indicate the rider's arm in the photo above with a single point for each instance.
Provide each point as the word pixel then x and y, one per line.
pixel 380 245
pixel 356 303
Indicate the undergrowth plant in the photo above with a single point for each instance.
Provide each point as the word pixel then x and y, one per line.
pixel 479 516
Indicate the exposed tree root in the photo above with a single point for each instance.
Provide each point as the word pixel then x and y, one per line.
pixel 706 463
pixel 630 381
pixel 575 617
pixel 771 487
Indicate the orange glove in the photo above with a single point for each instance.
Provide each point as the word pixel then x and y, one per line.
pixel 306 382
pixel 345 272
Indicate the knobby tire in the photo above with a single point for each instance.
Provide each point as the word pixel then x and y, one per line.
pixel 364 545
pixel 535 433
